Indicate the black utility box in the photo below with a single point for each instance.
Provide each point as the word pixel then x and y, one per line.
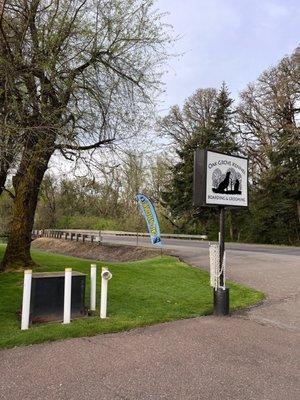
pixel 47 296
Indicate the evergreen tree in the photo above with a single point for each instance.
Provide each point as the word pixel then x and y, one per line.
pixel 275 200
pixel 208 127
pixel 269 114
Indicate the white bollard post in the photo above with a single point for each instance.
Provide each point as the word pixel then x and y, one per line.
pixel 93 286
pixel 106 276
pixel 67 295
pixel 26 299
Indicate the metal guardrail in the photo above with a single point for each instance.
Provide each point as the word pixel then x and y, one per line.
pixel 97 236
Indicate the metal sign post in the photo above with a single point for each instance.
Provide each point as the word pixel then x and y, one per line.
pixel 222 242
pixel 221 294
pixel 220 180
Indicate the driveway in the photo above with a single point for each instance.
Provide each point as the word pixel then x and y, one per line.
pixel 275 274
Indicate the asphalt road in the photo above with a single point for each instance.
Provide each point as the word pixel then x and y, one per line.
pixel 252 355
pixel 194 245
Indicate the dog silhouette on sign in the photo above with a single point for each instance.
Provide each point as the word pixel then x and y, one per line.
pixel 236 186
pixel 223 185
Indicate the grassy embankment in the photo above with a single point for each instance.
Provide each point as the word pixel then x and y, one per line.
pixel 140 293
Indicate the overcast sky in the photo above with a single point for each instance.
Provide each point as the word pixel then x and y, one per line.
pixel 226 40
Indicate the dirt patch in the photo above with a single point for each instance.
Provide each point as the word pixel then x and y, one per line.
pixel 94 251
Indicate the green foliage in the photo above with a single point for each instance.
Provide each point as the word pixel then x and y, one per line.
pixel 83 76
pixel 140 293
pixel 212 131
pixel 269 116
pixel 267 121
pixel 274 209
pixel 88 222
pixel 108 203
pixel 109 224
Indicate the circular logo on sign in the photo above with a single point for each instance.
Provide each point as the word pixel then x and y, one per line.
pixel 230 182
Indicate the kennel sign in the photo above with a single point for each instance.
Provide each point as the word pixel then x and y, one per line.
pixel 220 179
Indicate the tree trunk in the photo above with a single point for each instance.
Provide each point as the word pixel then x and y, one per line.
pixel 26 183
pixel 3 175
pixel 5 164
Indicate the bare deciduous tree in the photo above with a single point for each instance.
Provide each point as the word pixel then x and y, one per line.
pixel 196 115
pixel 269 116
pixel 82 72
pixel 269 113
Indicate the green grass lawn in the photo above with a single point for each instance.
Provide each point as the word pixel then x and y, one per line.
pixel 140 293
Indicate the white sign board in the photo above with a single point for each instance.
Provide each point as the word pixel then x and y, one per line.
pixel 226 180
pixel 220 179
